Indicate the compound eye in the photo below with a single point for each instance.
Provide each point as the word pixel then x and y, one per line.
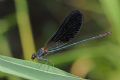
pixel 33 56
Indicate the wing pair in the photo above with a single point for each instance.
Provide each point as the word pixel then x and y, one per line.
pixel 68 29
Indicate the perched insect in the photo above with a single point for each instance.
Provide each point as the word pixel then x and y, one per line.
pixel 64 37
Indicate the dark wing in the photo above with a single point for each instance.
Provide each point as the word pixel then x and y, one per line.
pixel 69 28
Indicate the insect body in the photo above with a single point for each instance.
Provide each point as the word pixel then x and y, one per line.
pixel 64 37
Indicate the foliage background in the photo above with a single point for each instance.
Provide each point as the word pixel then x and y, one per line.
pixel 25 25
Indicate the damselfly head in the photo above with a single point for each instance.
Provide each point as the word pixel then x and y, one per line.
pixel 33 56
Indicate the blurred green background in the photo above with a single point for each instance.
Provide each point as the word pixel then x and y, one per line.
pixel 25 25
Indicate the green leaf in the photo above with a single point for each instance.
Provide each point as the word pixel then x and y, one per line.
pixel 34 71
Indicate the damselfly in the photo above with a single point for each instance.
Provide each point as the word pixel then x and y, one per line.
pixel 65 35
